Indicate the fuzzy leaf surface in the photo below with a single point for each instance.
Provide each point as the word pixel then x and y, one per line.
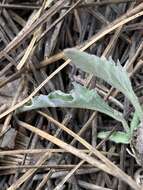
pixel 112 73
pixel 79 97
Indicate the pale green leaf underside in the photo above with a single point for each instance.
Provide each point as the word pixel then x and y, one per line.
pixel 107 70
pixel 134 123
pixel 79 97
pixel 117 137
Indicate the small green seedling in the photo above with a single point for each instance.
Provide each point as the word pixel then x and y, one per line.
pixel 81 97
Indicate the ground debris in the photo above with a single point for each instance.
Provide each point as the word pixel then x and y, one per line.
pixel 43 149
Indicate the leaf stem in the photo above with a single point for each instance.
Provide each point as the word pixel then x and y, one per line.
pixel 125 125
pixel 137 106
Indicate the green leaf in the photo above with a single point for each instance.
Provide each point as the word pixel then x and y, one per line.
pixel 134 123
pixel 117 137
pixel 79 97
pixel 107 70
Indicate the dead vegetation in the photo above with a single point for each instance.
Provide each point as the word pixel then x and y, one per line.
pixel 58 148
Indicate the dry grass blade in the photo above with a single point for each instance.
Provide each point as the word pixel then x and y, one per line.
pixel 30 27
pixel 105 167
pixel 49 166
pixel 34 38
pixel 29 50
pixel 17 184
pixel 44 150
pixel 60 144
pixel 45 179
pixel 68 176
pixel 78 138
pixel 36 35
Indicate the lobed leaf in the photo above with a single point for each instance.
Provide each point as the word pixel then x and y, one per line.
pixel 79 97
pixel 105 69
